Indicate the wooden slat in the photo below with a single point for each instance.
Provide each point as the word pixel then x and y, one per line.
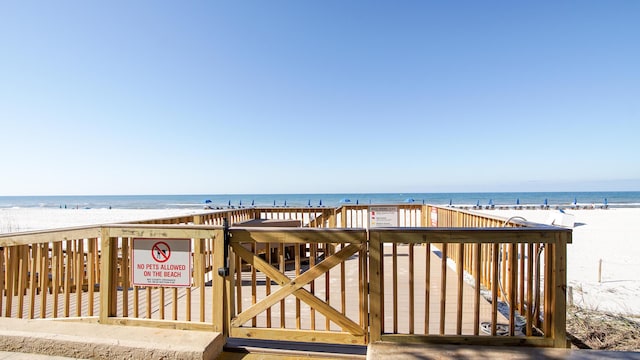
pixel 470 235
pixel 312 285
pixel 299 335
pixel 34 255
pixel 125 263
pixel 268 283
pixel 470 340
pixel 460 273
pixel 43 278
pixel 363 270
pixel 254 291
pixel 47 236
pixel 443 288
pixel 476 295
pixel 560 287
pixel 3 273
pixel 427 286
pixel 55 277
pixel 494 290
pixel 297 235
pixel 513 276
pixel 79 275
pixel 22 276
pixel 161 324
pixel 164 232
pixel 282 266
pixel 148 302
pixel 91 268
pixel 107 296
pixel 218 283
pixel 530 310
pixel 229 293
pixel 136 301
pixel 394 276
pixel 238 302
pixel 162 304
pixel 298 256
pixel 327 283
pixel 547 324
pixel 521 279
pixel 412 312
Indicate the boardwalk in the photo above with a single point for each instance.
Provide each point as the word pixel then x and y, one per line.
pixel 173 303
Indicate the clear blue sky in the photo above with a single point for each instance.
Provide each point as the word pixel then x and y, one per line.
pixel 173 97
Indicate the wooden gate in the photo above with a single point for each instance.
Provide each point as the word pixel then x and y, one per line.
pixel 309 269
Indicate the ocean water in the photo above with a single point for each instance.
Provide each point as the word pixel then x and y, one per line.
pixel 614 199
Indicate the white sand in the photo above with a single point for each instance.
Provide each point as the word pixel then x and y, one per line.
pixel 26 219
pixel 609 235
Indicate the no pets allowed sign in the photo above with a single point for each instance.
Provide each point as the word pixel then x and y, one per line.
pixel 161 262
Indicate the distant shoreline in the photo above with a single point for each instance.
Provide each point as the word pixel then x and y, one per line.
pixel 611 199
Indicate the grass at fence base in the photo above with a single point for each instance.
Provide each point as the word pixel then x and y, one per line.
pixel 598 330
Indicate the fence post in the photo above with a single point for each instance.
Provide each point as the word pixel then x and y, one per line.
pixel 560 291
pixel 423 216
pixel 333 219
pixel 375 287
pixel 229 296
pixel 600 270
pixel 198 258
pixel 220 250
pixel 108 268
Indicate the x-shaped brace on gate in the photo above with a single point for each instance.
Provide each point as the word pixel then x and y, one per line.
pixel 295 286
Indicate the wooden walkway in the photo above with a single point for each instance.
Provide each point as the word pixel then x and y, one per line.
pixel 172 303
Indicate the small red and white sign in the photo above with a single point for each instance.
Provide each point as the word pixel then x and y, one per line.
pixel 434 217
pixel 161 262
pixel 383 216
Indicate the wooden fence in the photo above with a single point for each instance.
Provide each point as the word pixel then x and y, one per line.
pixel 446 276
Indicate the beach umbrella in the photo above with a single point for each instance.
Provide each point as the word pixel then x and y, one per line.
pixel 207 201
pixel 229 202
pixel 409 200
pixel 517 201
pixel 274 203
pixel 450 202
pixel 345 200
pixel 252 203
pixel 575 201
pixel 320 204
pixel 309 202
pixel 605 201
pixel 240 203
pixel 357 202
pixel 422 201
pixel 490 201
pixel 285 203
pixel 546 202
pixel 478 203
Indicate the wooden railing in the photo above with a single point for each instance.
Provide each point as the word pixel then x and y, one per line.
pixel 459 316
pixel 334 280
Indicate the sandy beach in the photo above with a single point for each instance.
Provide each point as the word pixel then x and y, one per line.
pixel 608 235
pixel 27 219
